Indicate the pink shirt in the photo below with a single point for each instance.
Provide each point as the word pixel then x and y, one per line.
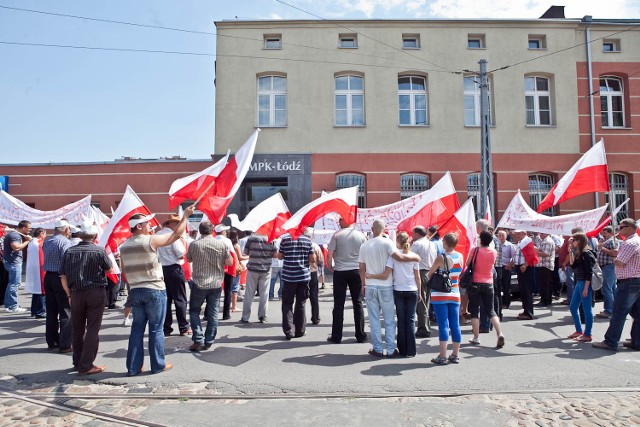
pixel 483 266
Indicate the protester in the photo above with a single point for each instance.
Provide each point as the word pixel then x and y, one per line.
pixel 83 277
pixel 546 250
pixel 139 255
pixel 34 274
pixel 427 251
pixel 607 253
pixel 240 270
pixel 314 268
pixel 4 275
pixel 14 242
pixel 260 253
pixel 447 304
pixel 525 278
pixel 276 274
pixel 507 250
pixel 582 260
pixel 209 257
pixel 221 234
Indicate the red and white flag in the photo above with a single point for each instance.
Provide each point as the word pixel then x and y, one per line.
pixel 192 186
pixel 607 220
pixel 228 181
pixel 344 202
pixel 436 207
pixel 487 214
pixel 528 251
pixel 588 175
pixel 118 230
pixel 463 223
pixel 267 218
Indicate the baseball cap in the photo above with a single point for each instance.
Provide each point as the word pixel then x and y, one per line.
pixel 221 227
pixel 135 221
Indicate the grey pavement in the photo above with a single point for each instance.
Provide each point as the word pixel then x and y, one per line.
pixel 252 370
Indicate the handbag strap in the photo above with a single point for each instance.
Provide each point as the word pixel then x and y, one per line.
pixel 473 259
pixel 446 258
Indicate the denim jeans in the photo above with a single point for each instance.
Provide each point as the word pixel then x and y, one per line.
pixel 149 306
pixel 212 298
pixel 608 286
pixel 576 300
pixel 11 294
pixel 406 302
pixel 38 305
pixel 380 298
pixel 276 274
pixel 448 317
pixel 626 300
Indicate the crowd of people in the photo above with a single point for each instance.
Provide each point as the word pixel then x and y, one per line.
pixel 394 279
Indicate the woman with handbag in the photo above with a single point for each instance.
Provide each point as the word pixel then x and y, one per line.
pixel 406 295
pixel 582 260
pixel 481 289
pixel 447 304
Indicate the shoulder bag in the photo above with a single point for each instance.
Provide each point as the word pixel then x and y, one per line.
pixel 466 277
pixel 440 281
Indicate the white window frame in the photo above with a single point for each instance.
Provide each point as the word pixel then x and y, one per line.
pixel 542 184
pixel 349 93
pixel 412 184
pixel 619 184
pixel 408 38
pixel 412 93
pixel 480 38
pixel 475 93
pixel 541 39
pixel 345 39
pixel 607 96
pixel 613 43
pixel 272 94
pixel 537 95
pixel 272 38
pixel 346 180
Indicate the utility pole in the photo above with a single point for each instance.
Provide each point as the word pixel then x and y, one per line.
pixel 486 166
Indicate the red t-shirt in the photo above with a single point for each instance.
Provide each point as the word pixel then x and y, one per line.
pixel 483 265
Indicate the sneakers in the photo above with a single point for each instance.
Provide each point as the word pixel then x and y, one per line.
pixel 474 341
pixel 16 309
pixel 603 315
pixel 128 321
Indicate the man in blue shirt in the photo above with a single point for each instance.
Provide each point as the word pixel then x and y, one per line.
pixel 13 246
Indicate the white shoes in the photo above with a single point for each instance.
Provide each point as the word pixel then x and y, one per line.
pixel 127 321
pixel 15 310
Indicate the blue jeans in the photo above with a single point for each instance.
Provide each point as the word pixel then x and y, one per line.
pixel 608 286
pixel 198 297
pixel 448 317
pixel 381 299
pixel 276 274
pixel 149 305
pixel 578 299
pixel 11 294
pixel 406 303
pixel 627 300
pixel 38 305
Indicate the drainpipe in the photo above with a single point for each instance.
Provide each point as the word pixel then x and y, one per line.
pixel 592 120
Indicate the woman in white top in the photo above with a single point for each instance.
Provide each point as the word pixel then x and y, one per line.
pixel 406 295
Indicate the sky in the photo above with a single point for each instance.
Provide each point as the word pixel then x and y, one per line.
pixel 90 105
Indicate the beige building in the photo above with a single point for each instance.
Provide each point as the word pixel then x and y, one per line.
pixel 394 104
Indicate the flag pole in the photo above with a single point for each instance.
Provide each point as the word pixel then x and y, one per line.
pixel 195 204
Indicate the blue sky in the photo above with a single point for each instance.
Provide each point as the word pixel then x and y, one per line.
pixel 73 105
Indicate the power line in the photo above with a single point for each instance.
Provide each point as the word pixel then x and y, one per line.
pixel 367 36
pixel 114 49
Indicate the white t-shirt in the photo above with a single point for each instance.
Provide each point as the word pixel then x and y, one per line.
pixel 374 254
pixel 404 278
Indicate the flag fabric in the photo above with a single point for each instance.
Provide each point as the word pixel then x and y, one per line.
pixel 186 265
pixel 436 207
pixel 229 180
pixel 607 220
pixel 462 223
pixel 34 270
pixel 588 175
pixel 192 186
pixel 118 230
pixel 267 218
pixel 528 251
pixel 344 202
pixel 487 214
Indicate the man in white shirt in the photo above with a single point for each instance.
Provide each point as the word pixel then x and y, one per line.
pixel 427 251
pixel 221 234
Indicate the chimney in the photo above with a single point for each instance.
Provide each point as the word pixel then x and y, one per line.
pixel 554 12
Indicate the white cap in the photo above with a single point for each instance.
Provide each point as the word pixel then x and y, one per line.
pixel 136 221
pixel 89 228
pixel 62 223
pixel 221 227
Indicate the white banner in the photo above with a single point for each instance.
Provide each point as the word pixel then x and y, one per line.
pixel 520 216
pixel 12 211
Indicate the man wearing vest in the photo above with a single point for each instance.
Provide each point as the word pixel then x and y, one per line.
pixel 139 255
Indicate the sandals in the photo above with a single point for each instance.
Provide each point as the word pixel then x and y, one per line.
pixel 440 360
pixel 574 335
pixel 453 358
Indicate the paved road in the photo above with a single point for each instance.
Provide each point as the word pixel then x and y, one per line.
pixel 255 361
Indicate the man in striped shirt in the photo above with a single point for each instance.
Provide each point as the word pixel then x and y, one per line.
pixel 297 254
pixel 260 253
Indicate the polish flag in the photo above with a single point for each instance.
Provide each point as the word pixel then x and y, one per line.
pixel 436 207
pixel 186 265
pixel 229 180
pixel 118 230
pixel 463 223
pixel 529 251
pixel 192 186
pixel 344 202
pixel 267 218
pixel 487 214
pixel 2 229
pixel 607 220
pixel 588 175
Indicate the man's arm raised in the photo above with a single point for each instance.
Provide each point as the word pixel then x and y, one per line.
pixel 158 241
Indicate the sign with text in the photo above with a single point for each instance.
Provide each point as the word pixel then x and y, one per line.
pixel 12 211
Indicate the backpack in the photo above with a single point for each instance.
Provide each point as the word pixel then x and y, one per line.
pixel 597 278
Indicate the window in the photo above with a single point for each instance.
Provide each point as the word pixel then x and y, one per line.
pixel 349 98
pixel 620 189
pixel 412 101
pixel 411 41
pixel 473 190
pixel 348 41
pixel 537 41
pixel 351 180
pixel 539 186
pixel 537 95
pixel 611 45
pixel 412 184
pixel 95 204
pixel 272 101
pixel 273 41
pixel 472 101
pixel 476 41
pixel 611 102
